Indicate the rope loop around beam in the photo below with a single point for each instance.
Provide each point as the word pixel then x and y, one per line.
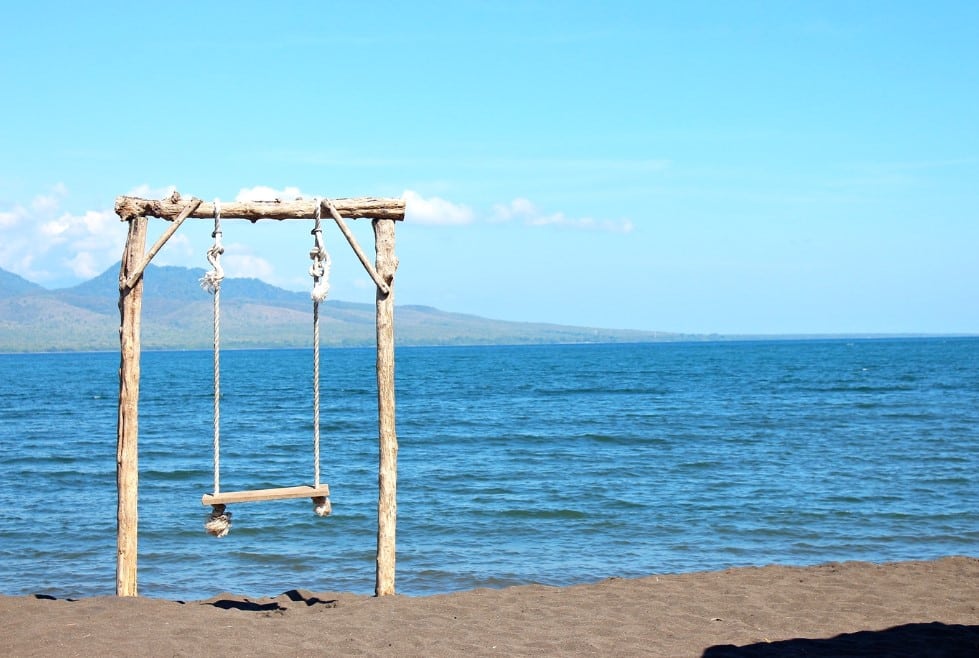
pixel 320 269
pixel 211 281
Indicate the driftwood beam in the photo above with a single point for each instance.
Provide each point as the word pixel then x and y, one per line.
pixel 128 207
pixel 191 206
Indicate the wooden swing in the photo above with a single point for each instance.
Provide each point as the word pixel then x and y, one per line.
pixel 218 522
pixel 384 214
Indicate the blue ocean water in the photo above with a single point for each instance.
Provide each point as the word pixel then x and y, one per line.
pixel 547 464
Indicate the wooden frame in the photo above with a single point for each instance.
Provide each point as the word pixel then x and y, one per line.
pixel 384 213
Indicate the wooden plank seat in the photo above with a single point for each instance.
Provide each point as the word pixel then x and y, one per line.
pixel 256 495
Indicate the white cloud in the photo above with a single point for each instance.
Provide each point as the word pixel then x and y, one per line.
pixel 437 211
pixel 524 210
pixel 584 223
pixel 239 263
pixel 87 243
pixel 12 217
pixel 144 191
pixel 49 202
pixel 519 207
pixel 85 265
pixel 434 211
pixel 265 193
pixel 56 227
pixel 48 245
pixel 179 251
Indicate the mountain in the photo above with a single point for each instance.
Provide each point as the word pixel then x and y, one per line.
pixel 12 285
pixel 177 314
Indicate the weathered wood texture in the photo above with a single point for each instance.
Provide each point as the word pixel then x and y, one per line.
pixel 127 460
pixel 361 256
pixel 387 473
pixel 257 495
pixel 138 270
pixel 128 207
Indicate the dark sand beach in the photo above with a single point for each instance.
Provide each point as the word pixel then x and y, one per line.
pixel 840 609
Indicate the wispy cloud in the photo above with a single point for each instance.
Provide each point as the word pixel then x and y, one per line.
pixel 437 211
pixel 434 210
pixel 518 208
pixel 240 262
pixel 144 191
pixel 265 193
pixel 524 210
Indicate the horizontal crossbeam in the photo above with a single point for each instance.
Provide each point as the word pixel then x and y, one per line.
pixel 128 207
pixel 258 495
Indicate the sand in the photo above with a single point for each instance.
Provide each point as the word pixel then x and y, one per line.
pixel 839 609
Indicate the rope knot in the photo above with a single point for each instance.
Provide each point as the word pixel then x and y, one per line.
pixel 218 522
pixel 211 281
pixel 321 506
pixel 320 269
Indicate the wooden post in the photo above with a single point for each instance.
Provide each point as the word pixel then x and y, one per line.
pixel 387 472
pixel 127 460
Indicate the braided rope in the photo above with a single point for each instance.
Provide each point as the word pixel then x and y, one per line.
pixel 316 394
pixel 217 391
pixel 320 271
pixel 212 283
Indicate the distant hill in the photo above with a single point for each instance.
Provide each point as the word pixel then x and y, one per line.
pixel 12 285
pixel 177 314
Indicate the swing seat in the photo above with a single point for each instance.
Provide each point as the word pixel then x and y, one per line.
pixel 256 495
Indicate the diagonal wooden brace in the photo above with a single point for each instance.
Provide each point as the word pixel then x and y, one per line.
pixel 191 206
pixel 382 285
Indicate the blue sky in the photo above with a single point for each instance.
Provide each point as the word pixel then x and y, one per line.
pixel 729 167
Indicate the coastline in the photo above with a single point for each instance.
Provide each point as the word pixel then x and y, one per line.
pixel 849 608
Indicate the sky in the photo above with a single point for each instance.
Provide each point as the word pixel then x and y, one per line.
pixel 696 167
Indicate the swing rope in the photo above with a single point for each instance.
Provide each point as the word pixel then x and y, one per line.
pixel 320 271
pixel 211 282
pixel 219 521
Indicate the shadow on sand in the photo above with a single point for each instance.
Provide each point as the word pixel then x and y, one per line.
pixel 279 603
pixel 934 640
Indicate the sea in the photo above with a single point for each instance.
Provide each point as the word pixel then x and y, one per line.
pixel 552 464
